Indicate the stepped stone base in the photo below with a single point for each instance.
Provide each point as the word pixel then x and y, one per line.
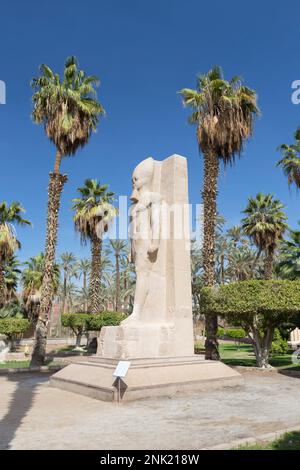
pixel 146 378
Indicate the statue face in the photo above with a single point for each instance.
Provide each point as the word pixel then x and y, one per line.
pixel 142 175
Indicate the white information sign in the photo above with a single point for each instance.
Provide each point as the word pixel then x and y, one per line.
pixel 122 369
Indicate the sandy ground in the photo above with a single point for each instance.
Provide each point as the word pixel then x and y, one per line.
pixel 36 416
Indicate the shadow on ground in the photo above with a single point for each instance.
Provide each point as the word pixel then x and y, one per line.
pixel 20 403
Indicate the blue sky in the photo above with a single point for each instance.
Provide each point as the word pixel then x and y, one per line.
pixel 144 52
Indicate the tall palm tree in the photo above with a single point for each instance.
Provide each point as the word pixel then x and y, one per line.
pixel 67 263
pixel 9 215
pixel 265 224
pixel 221 248
pixel 93 213
pixel 223 112
pixel 290 161
pixel 69 111
pixel 84 268
pixel 118 247
pixel 69 293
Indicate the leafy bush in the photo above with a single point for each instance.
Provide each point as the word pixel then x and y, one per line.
pixel 257 306
pixel 77 322
pixel 235 333
pixel 98 320
pixel 279 345
pixel 12 327
pixel 81 323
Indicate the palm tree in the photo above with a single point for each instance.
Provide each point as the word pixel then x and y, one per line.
pixel 290 161
pixel 84 268
pixel 240 263
pixel 118 247
pixel 289 257
pixel 69 111
pixel 9 215
pixel 265 225
pixel 221 248
pixel 93 213
pixel 69 293
pixel 11 277
pixel 223 112
pixel 236 235
pixel 67 264
pixel 32 280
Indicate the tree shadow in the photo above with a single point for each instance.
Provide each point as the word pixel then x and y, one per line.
pixel 21 401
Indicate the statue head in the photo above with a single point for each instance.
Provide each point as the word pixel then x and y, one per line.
pixel 142 176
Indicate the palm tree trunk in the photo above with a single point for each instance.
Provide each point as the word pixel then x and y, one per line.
pixel 269 260
pixel 56 184
pixel 96 273
pixel 210 191
pixel 255 262
pixel 118 302
pixel 222 269
pixel 84 287
pixel 2 286
pixel 64 293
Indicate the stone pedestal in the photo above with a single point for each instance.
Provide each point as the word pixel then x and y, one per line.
pixel 146 378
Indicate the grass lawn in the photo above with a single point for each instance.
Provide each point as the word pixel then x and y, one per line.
pixel 21 364
pixel 244 356
pixel 288 441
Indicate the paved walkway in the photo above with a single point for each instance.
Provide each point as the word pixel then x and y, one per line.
pixel 35 416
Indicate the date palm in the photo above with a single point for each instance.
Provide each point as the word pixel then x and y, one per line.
pixel 10 215
pixel 223 112
pixel 118 247
pixel 265 224
pixel 240 263
pixel 93 213
pixel 68 109
pixel 84 269
pixel 32 280
pixel 290 161
pixel 67 263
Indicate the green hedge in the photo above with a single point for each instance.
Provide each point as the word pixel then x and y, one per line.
pixel 98 320
pixel 249 298
pixel 82 322
pixel 258 307
pixel 13 326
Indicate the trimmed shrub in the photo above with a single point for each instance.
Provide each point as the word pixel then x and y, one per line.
pixel 256 306
pixel 12 328
pixel 81 323
pixel 77 322
pixel 98 320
